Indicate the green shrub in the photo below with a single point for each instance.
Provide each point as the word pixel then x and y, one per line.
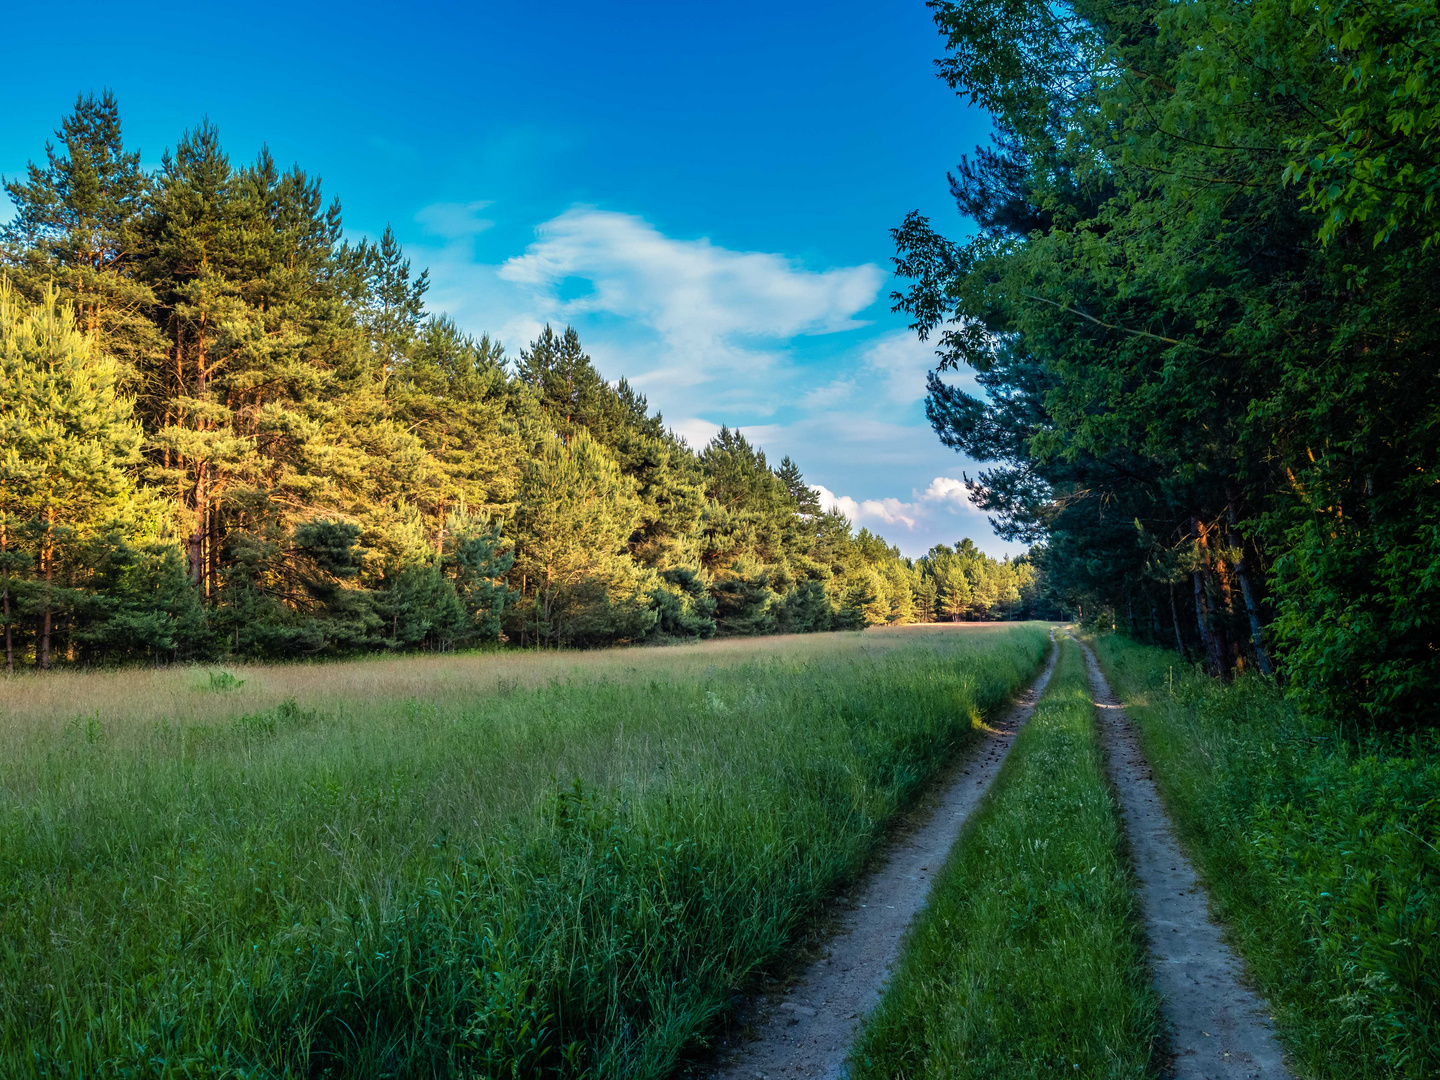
pixel 221 681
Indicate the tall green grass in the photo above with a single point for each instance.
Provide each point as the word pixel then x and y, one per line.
pixel 563 881
pixel 1319 849
pixel 1029 959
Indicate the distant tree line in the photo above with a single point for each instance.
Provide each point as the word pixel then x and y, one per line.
pixel 1202 299
pixel 225 429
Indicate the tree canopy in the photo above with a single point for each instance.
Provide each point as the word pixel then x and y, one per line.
pixel 1199 297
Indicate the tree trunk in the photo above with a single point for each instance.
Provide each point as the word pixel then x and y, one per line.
pixel 1202 620
pixel 1208 639
pixel 47 566
pixel 197 537
pixel 201 492
pixel 1247 590
pixel 1175 621
pixel 212 553
pixel 1229 648
pixel 5 594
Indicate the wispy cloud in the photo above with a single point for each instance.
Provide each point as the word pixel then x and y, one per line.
pixel 717 314
pixel 831 394
pixel 900 361
pixel 945 497
pixel 861 435
pixel 454 221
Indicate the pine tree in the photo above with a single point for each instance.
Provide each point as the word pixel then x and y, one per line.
pixel 480 557
pixel 570 390
pixel 576 512
pixel 684 605
pixel 452 393
pixel 244 263
pixel 926 594
pixel 67 439
pixel 954 586
pixel 753 515
pixel 389 302
pixel 805 499
pixel 138 604
pixel 76 226
pixel 745 601
pixel 806 608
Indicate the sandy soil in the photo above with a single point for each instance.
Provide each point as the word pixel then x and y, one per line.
pixel 1218 1028
pixel 808 1032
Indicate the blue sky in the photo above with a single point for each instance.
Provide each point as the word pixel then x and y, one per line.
pixel 704 191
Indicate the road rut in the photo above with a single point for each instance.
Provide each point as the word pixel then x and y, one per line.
pixel 1218 1028
pixel 809 1033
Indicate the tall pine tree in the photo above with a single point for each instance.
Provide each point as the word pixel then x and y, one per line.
pixel 67 441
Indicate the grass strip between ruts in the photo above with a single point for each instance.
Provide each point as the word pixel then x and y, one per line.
pixel 1029 959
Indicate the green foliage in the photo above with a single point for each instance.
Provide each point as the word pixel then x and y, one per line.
pixel 76 228
pixel 684 606
pixel 1215 413
pixel 420 606
pixel 221 681
pixel 480 557
pixel 744 601
pixel 66 437
pixel 577 509
pixel 1319 849
pixel 556 881
pixel 965 583
pixel 1358 605
pixel 1373 163
pixel 1040 970
pixel 805 609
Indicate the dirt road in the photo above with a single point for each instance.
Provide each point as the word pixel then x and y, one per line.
pixel 809 1033
pixel 1218 1028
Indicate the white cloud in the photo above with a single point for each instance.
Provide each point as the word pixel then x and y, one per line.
pixel 946 489
pixel 716 312
pixel 824 397
pixel 868 511
pixel 945 495
pixel 902 361
pixel 696 431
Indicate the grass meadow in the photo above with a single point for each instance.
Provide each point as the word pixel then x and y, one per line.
pixel 1320 847
pixel 516 865
pixel 1029 959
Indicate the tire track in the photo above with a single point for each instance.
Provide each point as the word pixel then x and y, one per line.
pixel 810 1032
pixel 1218 1028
